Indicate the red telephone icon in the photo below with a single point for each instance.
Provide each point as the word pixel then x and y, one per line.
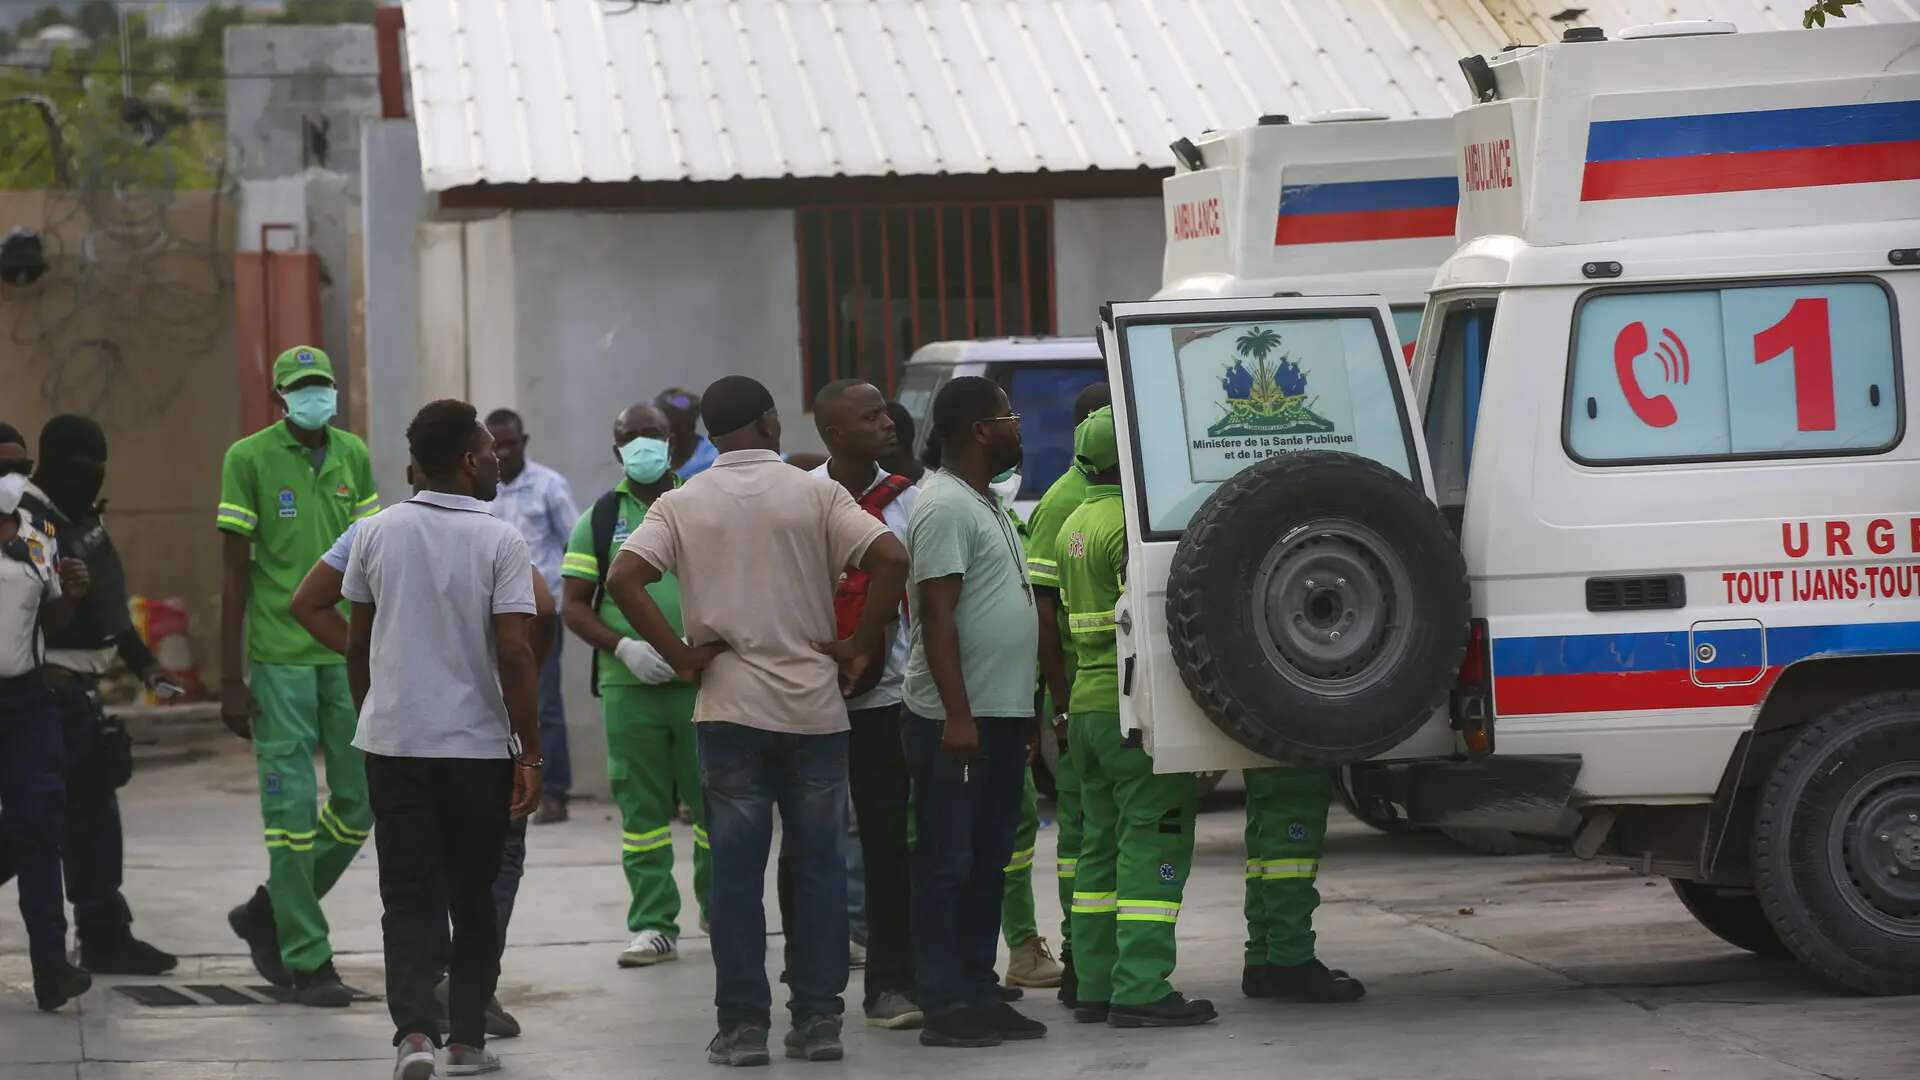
pixel 1656 410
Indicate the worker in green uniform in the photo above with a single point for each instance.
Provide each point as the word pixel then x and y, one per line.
pixel 1136 845
pixel 286 493
pixel 1286 831
pixel 1056 680
pixel 648 711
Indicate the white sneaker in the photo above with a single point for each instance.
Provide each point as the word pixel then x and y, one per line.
pixel 414 1060
pixel 468 1061
pixel 856 955
pixel 649 947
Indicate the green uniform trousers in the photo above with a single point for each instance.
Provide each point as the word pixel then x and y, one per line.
pixel 304 708
pixel 1019 921
pixel 1286 831
pixel 1136 851
pixel 650 749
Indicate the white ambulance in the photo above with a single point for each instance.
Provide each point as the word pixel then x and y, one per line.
pixel 1640 535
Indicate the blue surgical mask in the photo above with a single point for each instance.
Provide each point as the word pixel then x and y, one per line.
pixel 645 459
pixel 311 407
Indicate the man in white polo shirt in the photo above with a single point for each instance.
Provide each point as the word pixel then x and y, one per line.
pixel 758 547
pixel 441 669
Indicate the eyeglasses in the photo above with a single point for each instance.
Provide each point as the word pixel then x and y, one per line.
pixel 1013 416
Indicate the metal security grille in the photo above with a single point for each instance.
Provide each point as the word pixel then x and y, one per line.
pixel 877 282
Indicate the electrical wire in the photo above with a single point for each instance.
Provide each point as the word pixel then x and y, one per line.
pixel 167 73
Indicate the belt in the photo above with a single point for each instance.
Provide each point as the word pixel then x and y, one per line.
pixel 59 676
pixel 32 679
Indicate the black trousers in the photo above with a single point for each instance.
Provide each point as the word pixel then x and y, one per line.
pixel 439 824
pixel 878 779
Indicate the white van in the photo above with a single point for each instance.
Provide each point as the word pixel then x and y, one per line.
pixel 1661 399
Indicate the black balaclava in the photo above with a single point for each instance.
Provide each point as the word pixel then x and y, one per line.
pixel 72 464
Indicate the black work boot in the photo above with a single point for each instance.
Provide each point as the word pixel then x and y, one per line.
pixel 252 922
pixel 1090 1012
pixel 1068 993
pixel 321 988
pixel 1311 982
pixel 1170 1011
pixel 59 984
pixel 124 954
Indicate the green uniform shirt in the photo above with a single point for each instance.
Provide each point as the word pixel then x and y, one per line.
pixel 1043 536
pixel 271 494
pixel 582 563
pixel 1092 553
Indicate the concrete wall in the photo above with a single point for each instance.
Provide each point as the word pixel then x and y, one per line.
pixel 1103 249
pixel 141 341
pixel 392 208
pixel 310 116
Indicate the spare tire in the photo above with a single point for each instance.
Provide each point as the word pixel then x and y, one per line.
pixel 1317 608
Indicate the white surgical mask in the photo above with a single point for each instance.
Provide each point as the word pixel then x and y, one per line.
pixel 645 459
pixel 311 407
pixel 1006 485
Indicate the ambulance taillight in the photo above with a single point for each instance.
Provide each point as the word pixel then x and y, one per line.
pixel 1471 705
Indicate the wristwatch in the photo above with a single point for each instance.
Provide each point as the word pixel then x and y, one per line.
pixel 540 763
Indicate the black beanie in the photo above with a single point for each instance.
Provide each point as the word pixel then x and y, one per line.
pixel 732 403
pixel 9 433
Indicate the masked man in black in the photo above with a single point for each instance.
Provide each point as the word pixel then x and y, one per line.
pixel 65 491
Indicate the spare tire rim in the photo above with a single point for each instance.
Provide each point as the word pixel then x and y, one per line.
pixel 1329 606
pixel 1874 848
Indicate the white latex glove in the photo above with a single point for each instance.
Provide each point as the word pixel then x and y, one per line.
pixel 644 661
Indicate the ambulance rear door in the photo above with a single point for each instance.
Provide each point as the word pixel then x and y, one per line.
pixel 1203 389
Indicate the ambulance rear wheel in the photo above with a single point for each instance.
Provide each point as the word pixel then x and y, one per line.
pixel 1733 917
pixel 1317 608
pixel 1836 845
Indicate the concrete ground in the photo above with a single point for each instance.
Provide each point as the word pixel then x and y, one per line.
pixel 1528 967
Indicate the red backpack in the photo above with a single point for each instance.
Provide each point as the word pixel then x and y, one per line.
pixel 850 596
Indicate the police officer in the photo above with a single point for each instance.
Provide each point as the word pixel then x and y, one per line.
pixel 286 493
pixel 36 587
pixel 1137 841
pixel 65 490
pixel 1286 830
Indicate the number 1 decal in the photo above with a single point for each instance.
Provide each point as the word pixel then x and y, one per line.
pixel 1805 330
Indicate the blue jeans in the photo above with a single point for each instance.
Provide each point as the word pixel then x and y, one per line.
pixel 746 773
pixel 557 779
pixel 964 820
pixel 32 810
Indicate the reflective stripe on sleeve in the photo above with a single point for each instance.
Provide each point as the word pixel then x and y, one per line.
pixel 580 564
pixel 239 518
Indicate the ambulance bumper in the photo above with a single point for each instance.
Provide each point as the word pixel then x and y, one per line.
pixel 1519 793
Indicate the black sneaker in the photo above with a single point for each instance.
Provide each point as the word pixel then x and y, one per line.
pixel 58 985
pixel 125 955
pixel 816 1038
pixel 252 922
pixel 1090 1012
pixel 1170 1011
pixel 1010 1025
pixel 743 1046
pixel 1011 993
pixel 500 1023
pixel 1068 993
pixel 966 1030
pixel 1312 982
pixel 321 988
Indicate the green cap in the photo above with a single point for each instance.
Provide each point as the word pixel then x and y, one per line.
pixel 298 363
pixel 1095 446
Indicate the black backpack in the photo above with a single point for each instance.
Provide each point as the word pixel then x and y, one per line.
pixel 606 510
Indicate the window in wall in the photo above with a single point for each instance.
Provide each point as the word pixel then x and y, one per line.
pixel 1736 371
pixel 877 282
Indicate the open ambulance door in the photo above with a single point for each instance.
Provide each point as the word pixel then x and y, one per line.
pixel 1292 594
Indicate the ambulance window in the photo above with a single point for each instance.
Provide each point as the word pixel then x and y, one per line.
pixel 1453 403
pixel 1209 398
pixel 1043 396
pixel 1732 372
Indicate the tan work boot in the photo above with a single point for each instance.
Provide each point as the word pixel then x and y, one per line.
pixel 1032 964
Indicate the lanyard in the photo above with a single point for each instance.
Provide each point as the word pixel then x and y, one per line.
pixel 1006 533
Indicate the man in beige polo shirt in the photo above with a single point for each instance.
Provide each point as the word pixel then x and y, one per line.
pixel 758 547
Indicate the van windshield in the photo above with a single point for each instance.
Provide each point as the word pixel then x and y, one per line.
pixel 917 386
pixel 1209 398
pixel 1043 396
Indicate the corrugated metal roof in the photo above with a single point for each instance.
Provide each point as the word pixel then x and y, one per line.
pixel 515 91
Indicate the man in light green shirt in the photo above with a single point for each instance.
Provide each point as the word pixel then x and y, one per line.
pixel 286 493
